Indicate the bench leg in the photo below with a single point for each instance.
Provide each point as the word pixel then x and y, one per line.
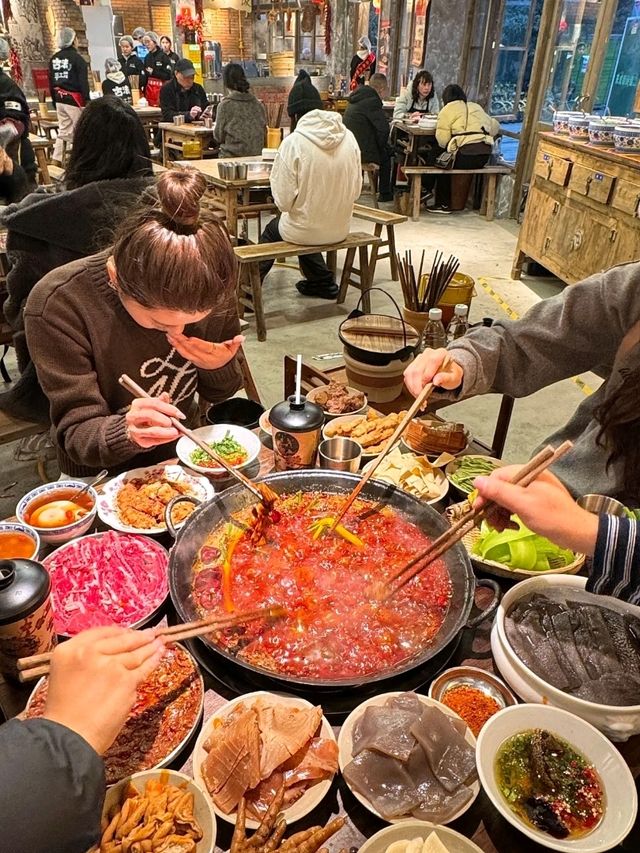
pixel 346 276
pixel 414 196
pixel 332 262
pixel 377 231
pixel 258 307
pixel 393 259
pixel 366 279
pixel 492 181
pixel 518 263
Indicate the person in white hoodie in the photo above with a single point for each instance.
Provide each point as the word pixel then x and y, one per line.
pixel 315 180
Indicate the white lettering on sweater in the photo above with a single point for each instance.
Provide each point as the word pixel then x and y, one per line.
pixel 178 378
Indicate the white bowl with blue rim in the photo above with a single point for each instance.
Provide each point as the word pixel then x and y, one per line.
pixel 19 527
pixel 66 532
pixel 626 137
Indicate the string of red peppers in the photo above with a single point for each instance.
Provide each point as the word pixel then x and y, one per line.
pixel 326 9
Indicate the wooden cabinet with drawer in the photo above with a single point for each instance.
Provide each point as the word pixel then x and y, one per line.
pixel 583 209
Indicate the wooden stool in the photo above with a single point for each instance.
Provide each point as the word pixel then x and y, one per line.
pixel 371 171
pixel 250 257
pixel 382 219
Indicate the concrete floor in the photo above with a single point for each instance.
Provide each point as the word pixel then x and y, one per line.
pixel 309 326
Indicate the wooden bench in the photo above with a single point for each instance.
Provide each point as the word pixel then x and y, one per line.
pixel 382 219
pixel 491 173
pixel 250 257
pixel 371 171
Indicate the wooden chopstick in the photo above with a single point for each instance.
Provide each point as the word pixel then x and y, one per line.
pixel 418 403
pixel 540 462
pixel 262 492
pixel 36 666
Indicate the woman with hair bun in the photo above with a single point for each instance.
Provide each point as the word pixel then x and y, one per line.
pixel 160 306
pixel 240 118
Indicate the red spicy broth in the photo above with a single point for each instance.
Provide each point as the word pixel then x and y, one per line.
pixel 333 630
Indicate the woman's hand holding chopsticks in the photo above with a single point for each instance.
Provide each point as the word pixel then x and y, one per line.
pixel 94 677
pixel 149 421
pixel 426 368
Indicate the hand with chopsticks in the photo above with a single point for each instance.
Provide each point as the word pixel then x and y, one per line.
pixel 545 506
pixel 93 680
pixel 426 368
pixel 149 421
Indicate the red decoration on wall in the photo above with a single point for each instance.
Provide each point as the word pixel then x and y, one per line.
pixel 16 65
pixel 189 24
pixel 326 8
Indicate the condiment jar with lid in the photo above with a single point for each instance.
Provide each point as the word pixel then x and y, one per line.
pixel 26 615
pixel 297 427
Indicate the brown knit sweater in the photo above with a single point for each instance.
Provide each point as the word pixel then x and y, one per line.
pixel 82 339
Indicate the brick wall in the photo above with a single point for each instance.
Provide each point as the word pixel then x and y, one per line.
pixel 223 25
pixel 62 13
pixel 136 13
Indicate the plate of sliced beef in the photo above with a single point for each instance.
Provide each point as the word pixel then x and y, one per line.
pixel 257 745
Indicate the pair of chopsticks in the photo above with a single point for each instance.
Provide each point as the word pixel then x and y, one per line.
pixel 36 666
pixel 540 462
pixel 260 490
pixel 418 404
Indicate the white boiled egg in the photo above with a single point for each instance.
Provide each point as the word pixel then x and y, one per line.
pixel 56 514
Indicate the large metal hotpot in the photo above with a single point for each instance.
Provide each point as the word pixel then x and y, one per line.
pixel 220 508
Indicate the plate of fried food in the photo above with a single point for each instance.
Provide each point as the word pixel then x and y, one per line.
pixel 283 747
pixel 163 807
pixel 336 399
pixel 134 502
pixel 371 431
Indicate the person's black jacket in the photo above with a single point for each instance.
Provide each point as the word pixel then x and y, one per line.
pixel 173 58
pixel 15 110
pixel 132 65
pixel 157 64
pixel 44 232
pixel 355 61
pixel 176 101
pixel 366 119
pixel 68 70
pixel 52 788
pixel 118 90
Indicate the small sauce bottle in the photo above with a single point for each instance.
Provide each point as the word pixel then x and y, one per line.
pixel 26 616
pixel 297 427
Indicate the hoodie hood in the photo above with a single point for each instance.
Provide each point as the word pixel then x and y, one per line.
pixel 325 129
pixel 366 93
pixel 116 77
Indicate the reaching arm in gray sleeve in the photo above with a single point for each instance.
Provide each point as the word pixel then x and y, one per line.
pixel 577 330
pixel 52 788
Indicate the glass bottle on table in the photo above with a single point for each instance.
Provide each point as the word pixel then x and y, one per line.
pixel 459 325
pixel 434 335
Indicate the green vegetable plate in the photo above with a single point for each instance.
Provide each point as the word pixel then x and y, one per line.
pixel 515 553
pixel 461 472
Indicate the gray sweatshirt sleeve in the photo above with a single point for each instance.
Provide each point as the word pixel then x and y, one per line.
pixel 577 330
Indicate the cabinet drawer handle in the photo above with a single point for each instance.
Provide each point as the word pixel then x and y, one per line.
pixel 636 207
pixel 613 235
pixel 556 208
pixel 547 243
pixel 588 184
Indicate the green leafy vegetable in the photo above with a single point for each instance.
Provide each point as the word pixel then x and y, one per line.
pixel 520 549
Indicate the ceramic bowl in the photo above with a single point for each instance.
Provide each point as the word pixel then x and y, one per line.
pixel 626 137
pixel 331 415
pixel 18 527
pixel 453 466
pixel 407 830
pixel 561 120
pixel 442 482
pixel 618 722
pixel 579 127
pixel 298 809
pixel 198 487
pixel 600 132
pixel 201 806
pixel 345 746
pixel 249 440
pixel 621 802
pixel 67 532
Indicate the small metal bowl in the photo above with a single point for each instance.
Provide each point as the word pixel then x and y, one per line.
pixel 601 504
pixel 472 676
pixel 340 454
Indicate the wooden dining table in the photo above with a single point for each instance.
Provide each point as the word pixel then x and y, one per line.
pixel 416 135
pixel 233 198
pixel 482 823
pixel 175 135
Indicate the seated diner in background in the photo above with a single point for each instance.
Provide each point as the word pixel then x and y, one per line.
pixel 315 181
pixel 241 120
pixel 130 62
pixel 363 64
pixel 18 167
pixel 109 168
pixel 182 96
pixel 368 122
pixel 157 69
pixel 592 324
pixel 160 306
pixel 52 776
pixel 418 99
pixel 465 130
pixel 116 82
pixel 547 508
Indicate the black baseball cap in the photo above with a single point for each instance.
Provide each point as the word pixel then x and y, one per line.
pixel 186 67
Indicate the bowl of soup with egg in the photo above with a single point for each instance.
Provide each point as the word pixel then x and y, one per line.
pixel 57 512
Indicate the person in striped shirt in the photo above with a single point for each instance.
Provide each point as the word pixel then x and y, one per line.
pixel 547 508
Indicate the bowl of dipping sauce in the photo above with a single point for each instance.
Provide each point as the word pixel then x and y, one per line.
pixel 18 541
pixel 55 513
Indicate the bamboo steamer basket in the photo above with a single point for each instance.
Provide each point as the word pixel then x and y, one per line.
pixel 282 64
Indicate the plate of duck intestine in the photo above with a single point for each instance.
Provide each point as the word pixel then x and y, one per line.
pixel 260 743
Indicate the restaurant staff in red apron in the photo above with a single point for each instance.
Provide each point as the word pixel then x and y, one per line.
pixel 69 79
pixel 157 69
